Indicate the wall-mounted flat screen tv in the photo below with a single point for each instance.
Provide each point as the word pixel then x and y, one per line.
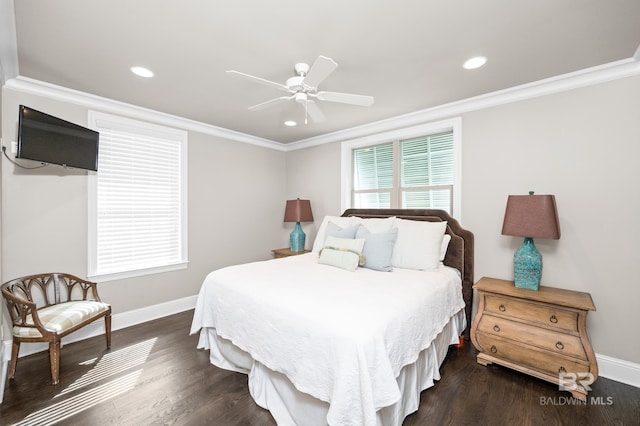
pixel 48 139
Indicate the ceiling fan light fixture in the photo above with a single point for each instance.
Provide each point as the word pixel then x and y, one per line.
pixel 303 89
pixel 142 71
pixel 295 84
pixel 475 62
pixel 301 69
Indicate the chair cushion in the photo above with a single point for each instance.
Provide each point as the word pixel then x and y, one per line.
pixel 62 317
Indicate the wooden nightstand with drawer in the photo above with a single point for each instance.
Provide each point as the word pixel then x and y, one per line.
pixel 541 333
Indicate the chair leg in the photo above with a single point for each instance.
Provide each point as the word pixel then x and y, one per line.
pixel 54 359
pixel 107 329
pixel 14 358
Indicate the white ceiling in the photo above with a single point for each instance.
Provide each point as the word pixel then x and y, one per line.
pixel 407 54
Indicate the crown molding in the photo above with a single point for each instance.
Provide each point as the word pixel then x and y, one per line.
pixel 48 90
pixel 587 77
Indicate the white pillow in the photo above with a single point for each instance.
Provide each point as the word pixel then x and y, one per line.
pixel 375 225
pixel 342 222
pixel 418 245
pixel 343 253
pixel 445 245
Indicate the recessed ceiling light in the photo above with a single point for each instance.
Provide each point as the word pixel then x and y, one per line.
pixel 475 62
pixel 290 123
pixel 142 72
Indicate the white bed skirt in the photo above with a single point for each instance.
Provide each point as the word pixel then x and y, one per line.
pixel 288 406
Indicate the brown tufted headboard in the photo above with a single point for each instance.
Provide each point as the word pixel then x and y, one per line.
pixel 460 250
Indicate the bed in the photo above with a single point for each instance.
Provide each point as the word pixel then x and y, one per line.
pixel 324 343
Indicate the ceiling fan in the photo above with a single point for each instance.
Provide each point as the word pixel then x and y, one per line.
pixel 303 89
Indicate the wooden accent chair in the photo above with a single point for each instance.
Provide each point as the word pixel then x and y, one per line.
pixel 47 307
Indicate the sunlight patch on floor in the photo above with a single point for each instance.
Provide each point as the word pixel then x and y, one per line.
pixel 113 363
pixel 106 366
pixel 80 402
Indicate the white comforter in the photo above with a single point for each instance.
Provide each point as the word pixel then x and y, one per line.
pixel 339 336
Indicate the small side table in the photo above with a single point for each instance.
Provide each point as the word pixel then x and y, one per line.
pixel 541 333
pixel 286 252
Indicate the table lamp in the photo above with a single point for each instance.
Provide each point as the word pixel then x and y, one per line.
pixel 530 216
pixel 297 211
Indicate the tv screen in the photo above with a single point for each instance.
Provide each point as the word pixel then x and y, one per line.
pixel 43 137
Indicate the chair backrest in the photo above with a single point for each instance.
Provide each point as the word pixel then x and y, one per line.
pixel 25 294
pixel 45 290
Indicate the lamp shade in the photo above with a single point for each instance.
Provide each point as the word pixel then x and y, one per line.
pixel 298 211
pixel 532 216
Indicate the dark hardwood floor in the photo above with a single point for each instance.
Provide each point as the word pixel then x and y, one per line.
pixel 153 374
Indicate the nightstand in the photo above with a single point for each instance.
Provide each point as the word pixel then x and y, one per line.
pixel 286 252
pixel 541 333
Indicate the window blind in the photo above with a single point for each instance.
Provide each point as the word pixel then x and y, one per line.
pixel 373 176
pixel 426 172
pixel 410 173
pixel 139 201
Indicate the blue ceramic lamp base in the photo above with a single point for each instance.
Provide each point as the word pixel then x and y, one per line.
pixel 297 238
pixel 527 265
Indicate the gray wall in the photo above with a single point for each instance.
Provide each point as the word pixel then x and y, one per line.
pixel 314 174
pixel 583 146
pixel 236 196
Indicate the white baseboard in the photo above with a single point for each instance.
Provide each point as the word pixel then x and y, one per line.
pixel 609 367
pixel 619 370
pixel 138 316
pixel 118 321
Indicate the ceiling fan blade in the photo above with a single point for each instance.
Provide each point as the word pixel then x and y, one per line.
pixel 313 111
pixel 346 98
pixel 272 102
pixel 320 70
pixel 259 80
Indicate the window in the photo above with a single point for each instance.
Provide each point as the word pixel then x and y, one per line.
pixel 137 199
pixel 411 168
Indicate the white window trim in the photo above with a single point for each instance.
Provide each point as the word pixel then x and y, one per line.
pixel 347 147
pixel 98 120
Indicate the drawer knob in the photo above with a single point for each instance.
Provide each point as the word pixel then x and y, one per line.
pixel 553 319
pixel 494 349
pixel 502 308
pixel 496 328
pixel 559 345
pixel 562 370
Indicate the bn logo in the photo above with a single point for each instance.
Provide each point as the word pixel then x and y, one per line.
pixel 571 381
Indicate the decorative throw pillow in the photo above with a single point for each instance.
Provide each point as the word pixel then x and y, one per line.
pixel 342 222
pixel 343 253
pixel 378 248
pixel 334 230
pixel 418 245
